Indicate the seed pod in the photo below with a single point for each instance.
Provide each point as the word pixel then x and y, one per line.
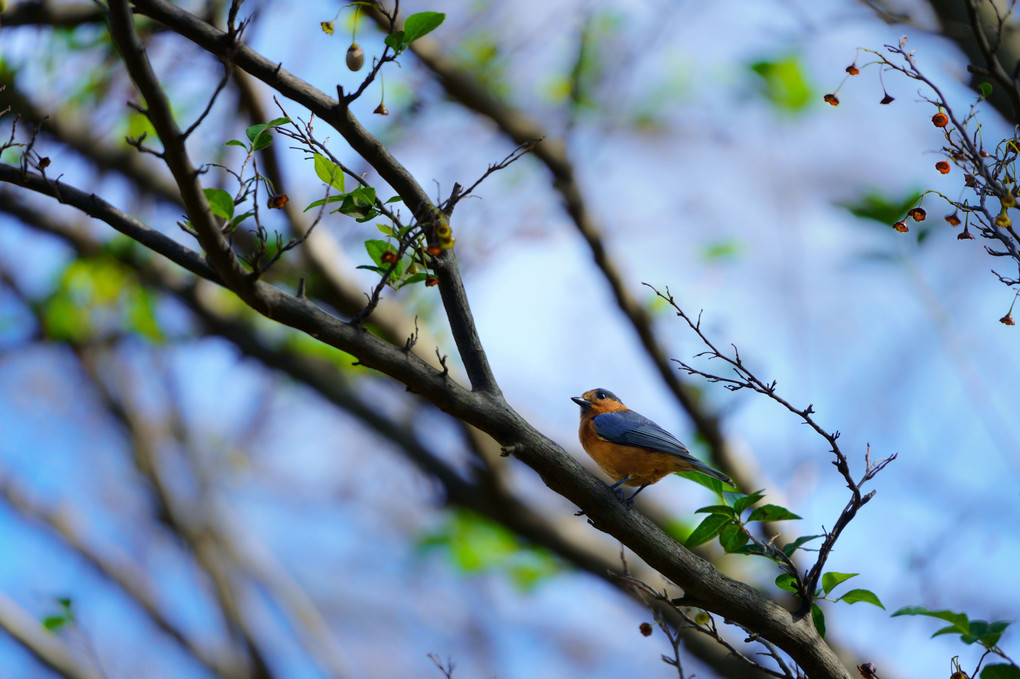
pixel 355 57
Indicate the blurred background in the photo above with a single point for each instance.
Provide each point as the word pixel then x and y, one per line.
pixel 136 427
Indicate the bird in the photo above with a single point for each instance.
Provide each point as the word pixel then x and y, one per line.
pixel 631 449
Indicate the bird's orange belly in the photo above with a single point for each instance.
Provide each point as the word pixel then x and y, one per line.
pixel 643 466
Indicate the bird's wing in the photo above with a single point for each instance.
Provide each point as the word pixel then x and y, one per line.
pixel 625 427
pixel 628 428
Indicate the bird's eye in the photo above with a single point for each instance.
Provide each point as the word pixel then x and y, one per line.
pixel 599 395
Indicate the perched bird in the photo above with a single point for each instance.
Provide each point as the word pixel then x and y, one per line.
pixel 630 448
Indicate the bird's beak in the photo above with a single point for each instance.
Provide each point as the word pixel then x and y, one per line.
pixel 585 404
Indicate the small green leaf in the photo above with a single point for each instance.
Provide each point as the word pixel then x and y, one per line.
pixel 412 279
pixel 221 203
pixel 421 24
pixel 883 209
pixel 54 623
pixel 786 582
pixel 1000 671
pixel 772 513
pixel 376 248
pixel 831 580
pixel 329 172
pixel 237 142
pixel 724 510
pixel 236 221
pixel 360 204
pixel 742 502
pixel 818 618
pixel 255 130
pixel 985 633
pixel 784 82
pixel 856 595
pixel 790 548
pixel 262 141
pixel 732 537
pixel 986 89
pixel 395 40
pixel 706 530
pixel 958 620
pixel 394 199
pixel 331 199
pixel 276 122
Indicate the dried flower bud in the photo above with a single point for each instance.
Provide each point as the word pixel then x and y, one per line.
pixel 940 119
pixel 431 281
pixel 1003 220
pixel 381 109
pixel 964 235
pixel 646 629
pixel 917 214
pixel 887 99
pixel 44 162
pixel 277 201
pixel 327 27
pixel 942 166
pixel 953 219
pixel 1007 320
pixel 355 57
pixel 832 99
pixel 901 226
pixel 868 670
pixel 433 250
pixel 388 257
pixel 852 69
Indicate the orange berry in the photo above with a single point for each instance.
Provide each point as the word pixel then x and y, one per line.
pixel 917 214
pixel 433 250
pixel 430 281
pixel 901 226
pixel 832 99
pixel 940 119
pixel 277 201
pixel 942 166
pixel 388 257
pixel 852 69
pixel 646 629
pixel 1007 320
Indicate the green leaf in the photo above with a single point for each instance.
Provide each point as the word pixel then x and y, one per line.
pixel 255 130
pixel 784 83
pixel 958 620
pixel 1000 671
pixel 883 209
pixel 54 623
pixel 786 582
pixel 818 618
pixel 329 172
pixel 856 595
pixel 986 89
pixel 742 502
pixel 421 24
pixel 732 537
pixel 262 141
pixel 276 122
pixel 376 248
pixel 360 204
pixel 713 484
pixel 706 530
pixel 412 279
pixel 723 510
pixel 394 199
pixel 830 580
pixel 221 203
pixel 237 142
pixel 395 40
pixel 790 548
pixel 772 513
pixel 331 199
pixel 239 219
pixel 985 633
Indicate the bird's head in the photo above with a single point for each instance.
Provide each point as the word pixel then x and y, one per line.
pixel 598 401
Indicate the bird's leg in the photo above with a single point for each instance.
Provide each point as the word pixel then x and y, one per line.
pixel 630 501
